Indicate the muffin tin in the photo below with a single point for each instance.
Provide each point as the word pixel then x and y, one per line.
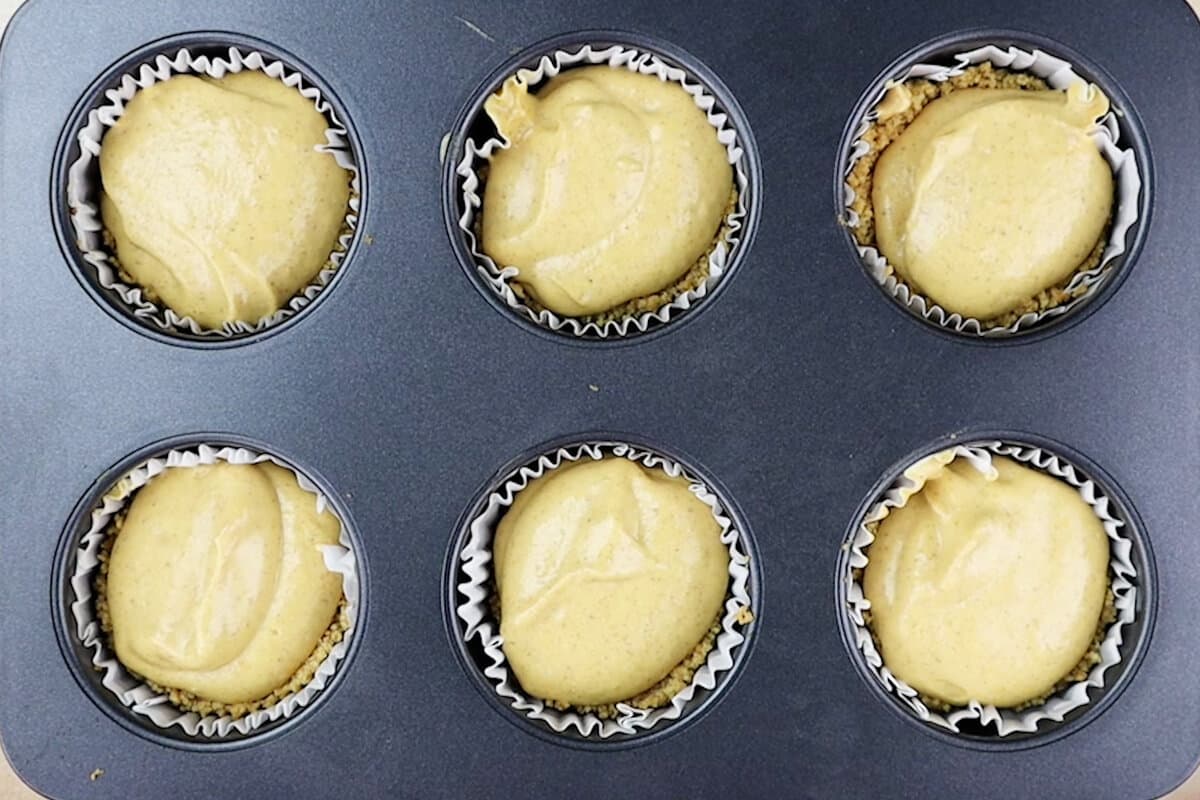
pixel 798 389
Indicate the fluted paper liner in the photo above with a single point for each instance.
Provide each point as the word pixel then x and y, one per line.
pixel 479 624
pixel 1127 184
pixel 134 694
pixel 498 278
pixel 1122 580
pixel 83 185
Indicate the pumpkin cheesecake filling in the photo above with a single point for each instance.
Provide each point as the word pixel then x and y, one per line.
pixel 988 587
pixel 986 193
pixel 609 577
pixel 216 199
pixel 215 589
pixel 611 188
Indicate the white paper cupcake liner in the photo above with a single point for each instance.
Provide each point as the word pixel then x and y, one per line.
pixel 479 623
pixel 499 278
pixel 83 185
pixel 1122 575
pixel 1058 74
pixel 135 694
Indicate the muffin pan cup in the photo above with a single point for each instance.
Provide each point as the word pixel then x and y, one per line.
pixel 1084 285
pixel 142 700
pixel 83 186
pixel 547 62
pixel 473 581
pixel 403 389
pixel 1118 642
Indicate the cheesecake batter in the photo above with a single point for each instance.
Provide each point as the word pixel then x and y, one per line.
pixel 609 574
pixel 217 585
pixel 216 198
pixel 990 196
pixel 986 587
pixel 613 184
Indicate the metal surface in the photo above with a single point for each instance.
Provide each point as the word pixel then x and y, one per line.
pixel 797 388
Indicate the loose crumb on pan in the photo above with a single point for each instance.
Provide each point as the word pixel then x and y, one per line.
pixel 882 133
pixel 187 701
pixel 689 281
pixel 1108 615
pixel 661 693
